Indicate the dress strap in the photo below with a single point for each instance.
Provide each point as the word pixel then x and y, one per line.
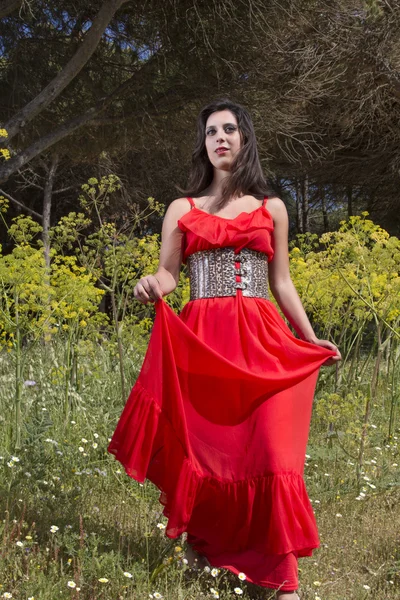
pixel 191 202
pixel 265 200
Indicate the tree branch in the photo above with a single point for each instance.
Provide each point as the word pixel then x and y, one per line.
pixel 70 71
pixel 391 81
pixel 67 189
pixel 20 205
pixel 10 166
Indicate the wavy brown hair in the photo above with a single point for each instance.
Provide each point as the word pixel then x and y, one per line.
pixel 246 175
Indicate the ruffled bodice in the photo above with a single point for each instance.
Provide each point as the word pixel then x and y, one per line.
pixel 204 231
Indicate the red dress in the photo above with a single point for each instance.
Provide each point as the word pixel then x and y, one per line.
pixel 219 418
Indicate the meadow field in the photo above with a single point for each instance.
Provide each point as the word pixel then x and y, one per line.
pixel 75 526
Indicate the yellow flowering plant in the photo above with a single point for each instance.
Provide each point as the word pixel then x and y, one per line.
pixel 116 258
pixel 34 306
pixel 351 279
pixel 349 282
pixel 4 152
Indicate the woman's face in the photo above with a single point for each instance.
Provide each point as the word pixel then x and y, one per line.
pixel 223 139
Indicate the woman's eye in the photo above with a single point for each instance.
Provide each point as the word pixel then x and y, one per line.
pixel 229 129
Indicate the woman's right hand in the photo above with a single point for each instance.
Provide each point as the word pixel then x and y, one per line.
pixel 147 289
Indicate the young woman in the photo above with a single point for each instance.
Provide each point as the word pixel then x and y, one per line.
pixel 219 416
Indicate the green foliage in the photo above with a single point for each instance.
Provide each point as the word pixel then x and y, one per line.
pixel 115 257
pixel 96 193
pixel 24 230
pixel 4 152
pixel 344 416
pixel 88 260
pixel 374 10
pixel 350 277
pixel 76 299
pixel 84 267
pixel 37 302
pixel 65 233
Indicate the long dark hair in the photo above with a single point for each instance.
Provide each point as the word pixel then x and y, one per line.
pixel 246 175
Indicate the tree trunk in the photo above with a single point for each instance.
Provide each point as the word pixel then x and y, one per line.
pixel 324 211
pixel 47 196
pixel 277 182
pixel 349 194
pixel 306 211
pixel 299 208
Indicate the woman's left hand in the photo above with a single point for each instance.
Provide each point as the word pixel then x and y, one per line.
pixel 327 344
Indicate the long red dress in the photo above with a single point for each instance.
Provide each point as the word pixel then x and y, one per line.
pixel 219 418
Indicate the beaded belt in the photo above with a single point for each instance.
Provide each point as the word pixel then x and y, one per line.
pixel 213 273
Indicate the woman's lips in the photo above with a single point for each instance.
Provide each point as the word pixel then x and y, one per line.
pixel 222 150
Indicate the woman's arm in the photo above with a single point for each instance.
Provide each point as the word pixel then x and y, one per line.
pixel 281 284
pixel 152 287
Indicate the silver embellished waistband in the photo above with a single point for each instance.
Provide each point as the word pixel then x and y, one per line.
pixel 213 273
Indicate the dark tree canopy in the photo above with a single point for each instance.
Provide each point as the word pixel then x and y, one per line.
pixel 115 86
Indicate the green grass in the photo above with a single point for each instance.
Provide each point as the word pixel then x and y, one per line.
pixel 110 527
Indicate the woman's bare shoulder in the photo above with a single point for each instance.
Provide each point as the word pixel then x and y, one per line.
pixel 179 204
pixel 277 208
pixel 177 208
